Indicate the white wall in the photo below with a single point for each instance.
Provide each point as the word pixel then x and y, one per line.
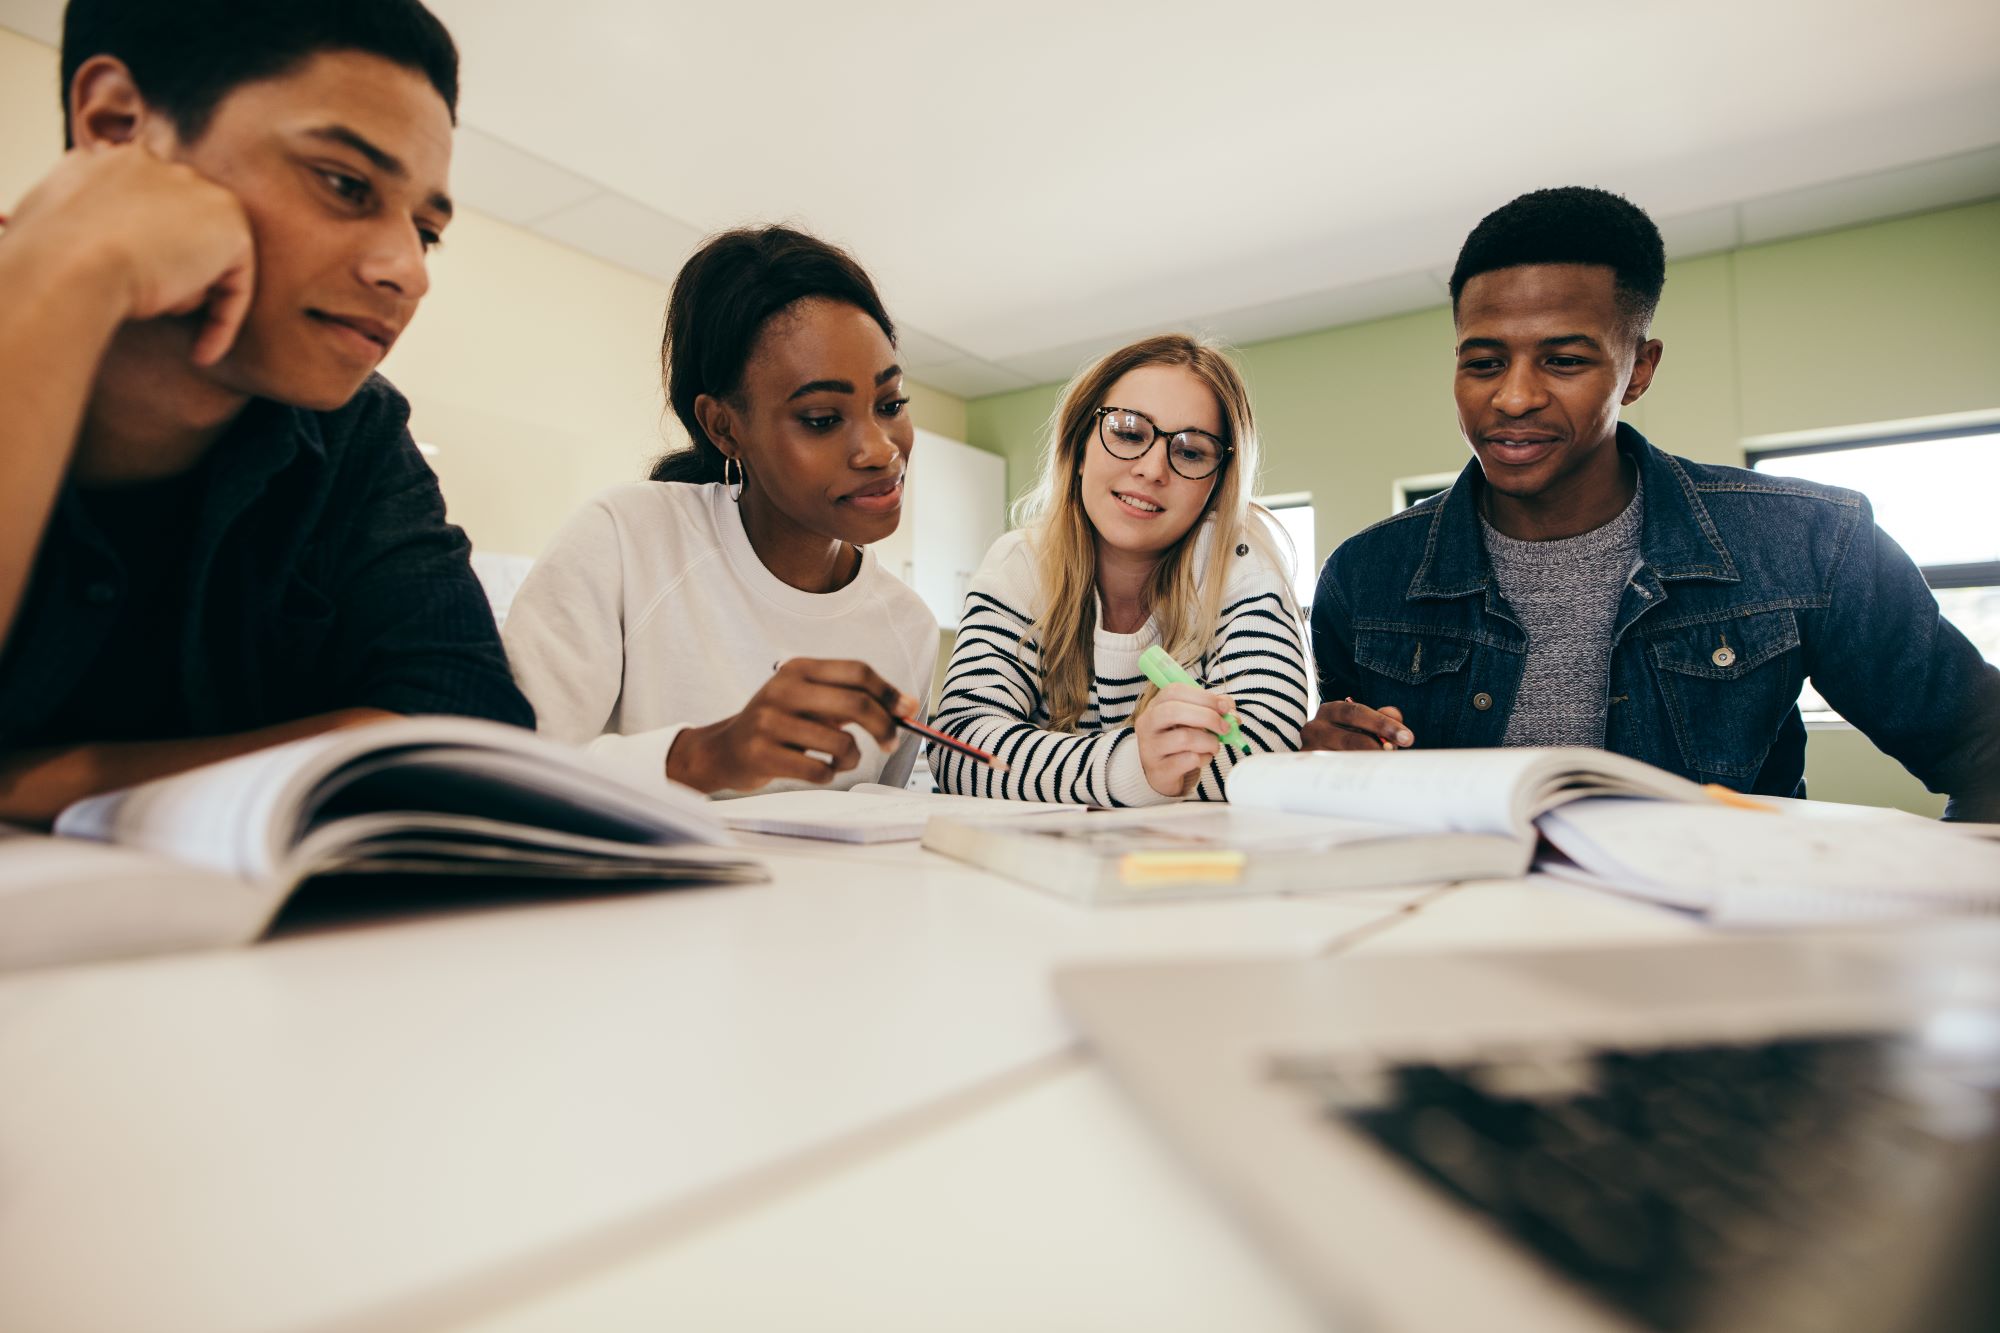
pixel 532 367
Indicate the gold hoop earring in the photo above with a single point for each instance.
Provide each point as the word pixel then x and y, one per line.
pixel 737 493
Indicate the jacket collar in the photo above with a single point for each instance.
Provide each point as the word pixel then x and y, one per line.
pixel 1677 541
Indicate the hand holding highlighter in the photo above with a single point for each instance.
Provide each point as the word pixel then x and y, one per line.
pixel 1164 671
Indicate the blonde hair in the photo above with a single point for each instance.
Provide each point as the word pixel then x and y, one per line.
pixel 1183 594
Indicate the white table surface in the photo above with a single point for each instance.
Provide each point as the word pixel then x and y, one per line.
pixel 407 1124
pixel 1049 1205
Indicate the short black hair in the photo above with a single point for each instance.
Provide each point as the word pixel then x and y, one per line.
pixel 725 294
pixel 1572 225
pixel 188 55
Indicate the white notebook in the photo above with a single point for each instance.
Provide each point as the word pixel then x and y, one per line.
pixel 867 812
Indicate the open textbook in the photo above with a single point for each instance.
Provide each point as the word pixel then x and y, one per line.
pixel 210 856
pixel 1803 862
pixel 1739 860
pixel 1321 821
pixel 1500 792
pixel 1299 823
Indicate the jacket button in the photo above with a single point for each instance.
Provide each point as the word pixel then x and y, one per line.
pixel 1482 701
pixel 100 594
pixel 1723 656
pixel 1243 548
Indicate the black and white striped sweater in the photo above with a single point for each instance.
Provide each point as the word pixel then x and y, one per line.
pixel 993 698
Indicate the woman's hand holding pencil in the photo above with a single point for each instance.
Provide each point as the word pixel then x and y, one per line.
pixel 795 727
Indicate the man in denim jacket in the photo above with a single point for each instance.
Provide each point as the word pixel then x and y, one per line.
pixel 1578 586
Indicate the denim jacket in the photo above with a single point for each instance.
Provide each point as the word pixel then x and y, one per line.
pixel 1747 586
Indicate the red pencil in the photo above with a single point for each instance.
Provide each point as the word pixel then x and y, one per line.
pixel 937 737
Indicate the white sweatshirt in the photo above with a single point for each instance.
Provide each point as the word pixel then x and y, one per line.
pixel 651 612
pixel 993 688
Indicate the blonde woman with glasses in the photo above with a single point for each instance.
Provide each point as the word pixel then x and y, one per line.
pixel 1141 532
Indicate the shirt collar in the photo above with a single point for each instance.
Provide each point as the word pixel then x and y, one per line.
pixel 1678 540
pixel 263 440
pixel 259 444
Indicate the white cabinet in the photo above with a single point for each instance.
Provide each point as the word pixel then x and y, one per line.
pixel 954 508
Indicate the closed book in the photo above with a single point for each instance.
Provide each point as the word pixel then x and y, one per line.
pixel 1164 853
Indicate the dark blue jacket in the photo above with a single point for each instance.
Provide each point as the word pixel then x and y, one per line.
pixel 320 574
pixel 1748 585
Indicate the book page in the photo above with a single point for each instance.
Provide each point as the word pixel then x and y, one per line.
pixel 244 816
pixel 551 787
pixel 1445 791
pixel 220 816
pixel 1562 774
pixel 1780 865
pixel 63 900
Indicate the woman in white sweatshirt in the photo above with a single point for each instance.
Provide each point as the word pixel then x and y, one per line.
pixel 1142 532
pixel 724 624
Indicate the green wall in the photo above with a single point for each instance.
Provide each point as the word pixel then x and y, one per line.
pixel 1876 323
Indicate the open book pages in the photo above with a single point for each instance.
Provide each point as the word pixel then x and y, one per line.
pixel 1203 850
pixel 474 791
pixel 867 812
pixel 1624 825
pixel 1500 791
pixel 1798 862
pixel 65 901
pixel 210 856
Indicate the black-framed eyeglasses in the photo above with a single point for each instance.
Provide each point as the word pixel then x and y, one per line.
pixel 1127 435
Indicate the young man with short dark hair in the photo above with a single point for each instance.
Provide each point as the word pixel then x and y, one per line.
pixel 1577 586
pixel 215 531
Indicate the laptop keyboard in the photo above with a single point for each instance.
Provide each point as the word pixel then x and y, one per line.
pixel 1690 1187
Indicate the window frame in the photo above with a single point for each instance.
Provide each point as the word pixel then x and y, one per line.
pixel 1429 482
pixel 1282 500
pixel 1977 574
pixel 1920 430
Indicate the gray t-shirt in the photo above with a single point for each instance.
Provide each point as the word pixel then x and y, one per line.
pixel 1565 593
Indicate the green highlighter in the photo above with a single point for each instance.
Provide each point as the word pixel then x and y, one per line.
pixel 1164 671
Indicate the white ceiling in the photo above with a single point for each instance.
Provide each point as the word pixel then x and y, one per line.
pixel 1035 182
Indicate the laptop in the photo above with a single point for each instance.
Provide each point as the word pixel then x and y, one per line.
pixel 1732 1133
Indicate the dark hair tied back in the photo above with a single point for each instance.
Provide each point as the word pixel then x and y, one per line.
pixel 725 295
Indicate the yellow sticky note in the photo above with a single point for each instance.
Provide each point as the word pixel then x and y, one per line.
pixel 1181 867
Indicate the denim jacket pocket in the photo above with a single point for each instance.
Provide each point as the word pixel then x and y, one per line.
pixel 1729 685
pixel 1417 672
pixel 1409 657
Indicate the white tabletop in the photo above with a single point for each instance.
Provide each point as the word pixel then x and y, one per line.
pixel 403 1124
pixel 1050 1205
